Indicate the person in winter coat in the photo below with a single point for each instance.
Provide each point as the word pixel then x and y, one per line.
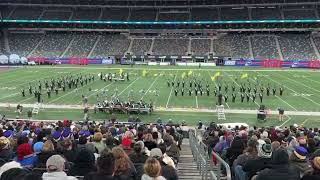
pixel 6 151
pixel 105 168
pixel 316 170
pixel 152 169
pixel 25 156
pixel 55 166
pixel 236 148
pixel 47 151
pixel 84 163
pixel 299 160
pixel 280 168
pixel 263 161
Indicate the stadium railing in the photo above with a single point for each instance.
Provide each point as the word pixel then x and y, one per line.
pixel 207 168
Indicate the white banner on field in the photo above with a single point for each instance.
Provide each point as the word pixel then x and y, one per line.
pixel 3 59
pixel 164 63
pixel 152 63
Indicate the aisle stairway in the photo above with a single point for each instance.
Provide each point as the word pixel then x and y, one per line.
pixel 187 167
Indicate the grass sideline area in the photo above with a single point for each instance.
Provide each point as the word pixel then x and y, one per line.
pixel 301 91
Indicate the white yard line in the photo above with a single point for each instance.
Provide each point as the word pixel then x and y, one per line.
pixel 197 105
pixel 9 96
pixel 169 97
pixel 228 105
pixel 151 86
pixel 289 118
pixel 129 86
pixel 292 90
pixel 286 103
pixel 300 83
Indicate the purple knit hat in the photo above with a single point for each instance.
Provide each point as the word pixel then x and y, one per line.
pixel 56 135
pixel 8 133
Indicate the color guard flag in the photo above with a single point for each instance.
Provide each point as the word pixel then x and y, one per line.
pixel 183 75
pixel 245 75
pixel 144 73
pixel 189 73
pixel 120 71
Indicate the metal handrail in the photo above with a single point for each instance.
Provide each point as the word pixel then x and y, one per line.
pixel 204 160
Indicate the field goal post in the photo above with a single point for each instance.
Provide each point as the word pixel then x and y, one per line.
pixel 220 113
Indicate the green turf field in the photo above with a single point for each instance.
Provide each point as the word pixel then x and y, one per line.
pixel 301 89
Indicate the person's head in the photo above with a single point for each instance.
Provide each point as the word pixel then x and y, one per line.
pixel 14 174
pixel 106 163
pixel 152 167
pixel 97 137
pixel 148 137
pixel 9 165
pixel 4 143
pixel 155 135
pixel 85 156
pixel 156 153
pixel 66 144
pixel 47 146
pixel 275 145
pixel 168 140
pixel 162 147
pixel 55 163
pixel 137 148
pixel 118 152
pixel 280 156
pixel 83 140
pixel 264 149
pixel 300 153
pixel 23 150
pixel 121 165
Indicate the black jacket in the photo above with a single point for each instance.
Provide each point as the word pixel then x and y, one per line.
pixel 84 163
pixel 98 176
pixel 314 176
pixel 253 166
pixel 168 172
pixel 279 172
pixel 42 158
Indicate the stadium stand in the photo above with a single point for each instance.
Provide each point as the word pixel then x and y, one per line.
pixel 295 46
pixel 143 14
pixel 81 45
pixel 86 14
pixel 199 14
pixel 57 14
pixel 264 47
pixel 299 12
pixel 23 44
pixel 141 46
pixel 200 46
pixel 111 45
pixel 233 45
pixel 170 46
pixel 240 13
pixel 115 14
pixel 26 13
pixel 316 41
pixel 53 45
pixel 265 13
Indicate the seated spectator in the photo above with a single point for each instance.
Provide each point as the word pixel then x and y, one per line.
pixel 14 174
pixel 138 158
pixel 55 166
pixel 6 151
pixel 299 160
pixel 149 142
pixel 68 151
pixel 280 168
pixel 167 171
pixel 236 148
pixel 25 156
pixel 253 166
pixel 110 142
pixel 165 158
pixel 316 170
pixel 98 143
pixel 172 148
pixel 156 137
pixel 9 165
pixel 123 165
pixel 152 169
pixel 84 163
pixel 105 168
pixel 47 151
pixel 126 144
pixel 37 147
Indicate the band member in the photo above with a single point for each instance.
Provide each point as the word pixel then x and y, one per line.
pixel 49 93
pixel 175 92
pixel 190 91
pixel 183 83
pixel 253 97
pixel 261 97
pixel 226 88
pixel 128 77
pixel 178 83
pixel 196 91
pixel 233 88
pixel 208 92
pixel 23 93
pixel 168 83
pixel 63 88
pixel 255 90
pixel 249 89
pixel 281 113
pixel 39 96
pixel 247 96
pixel 268 91
pixel 261 90
pixel 182 92
pixel 201 92
pixel 219 99
pixel 56 90
pixel 281 91
pixel 215 92
pixel 242 97
pixel 172 83
pixel 274 91
pixel 30 90
pixel 233 97
pixel 219 86
pixel 190 84
pixel 226 98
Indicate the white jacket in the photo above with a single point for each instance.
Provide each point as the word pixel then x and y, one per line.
pixel 57 176
pixel 146 177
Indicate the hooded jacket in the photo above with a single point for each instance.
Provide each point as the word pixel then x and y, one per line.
pixel 57 175
pixel 146 177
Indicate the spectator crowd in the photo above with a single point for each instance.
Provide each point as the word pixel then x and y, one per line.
pixel 288 153
pixel 68 150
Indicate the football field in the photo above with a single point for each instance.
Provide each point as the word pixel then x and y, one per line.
pixel 150 84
